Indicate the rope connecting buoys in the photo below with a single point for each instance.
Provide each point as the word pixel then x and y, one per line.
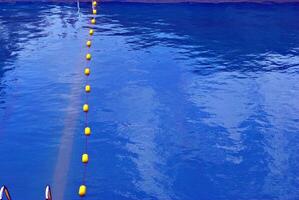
pixel 87 129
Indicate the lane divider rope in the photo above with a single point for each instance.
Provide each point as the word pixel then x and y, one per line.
pixel 87 130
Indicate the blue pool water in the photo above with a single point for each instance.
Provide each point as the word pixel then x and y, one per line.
pixel 188 102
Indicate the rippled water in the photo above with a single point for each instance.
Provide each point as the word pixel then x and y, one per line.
pixel 188 102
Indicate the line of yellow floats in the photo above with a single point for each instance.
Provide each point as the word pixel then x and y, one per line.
pixel 87 130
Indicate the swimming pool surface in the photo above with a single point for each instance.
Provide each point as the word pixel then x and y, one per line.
pixel 188 102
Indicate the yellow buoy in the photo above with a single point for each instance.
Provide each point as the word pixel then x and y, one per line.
pixel 88 43
pixel 94 11
pixel 87 131
pixel 88 56
pixel 85 108
pixel 87 71
pixel 91 31
pixel 85 158
pixel 94 3
pixel 93 20
pixel 82 190
pixel 87 88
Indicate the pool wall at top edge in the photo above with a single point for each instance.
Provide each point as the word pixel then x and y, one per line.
pixel 166 1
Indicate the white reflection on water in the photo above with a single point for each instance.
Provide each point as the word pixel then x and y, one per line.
pixel 140 104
